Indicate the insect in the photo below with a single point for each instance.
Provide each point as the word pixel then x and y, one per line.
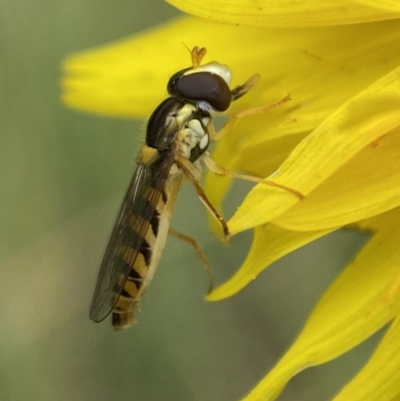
pixel 177 137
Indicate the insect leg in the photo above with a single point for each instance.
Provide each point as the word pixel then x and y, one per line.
pixel 217 169
pixel 241 90
pixel 236 117
pixel 190 173
pixel 192 241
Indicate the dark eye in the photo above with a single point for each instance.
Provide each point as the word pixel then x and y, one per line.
pixel 201 87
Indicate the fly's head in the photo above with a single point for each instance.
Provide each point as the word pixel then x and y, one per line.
pixel 207 86
pixel 184 119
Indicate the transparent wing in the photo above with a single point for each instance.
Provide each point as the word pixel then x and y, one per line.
pixel 138 209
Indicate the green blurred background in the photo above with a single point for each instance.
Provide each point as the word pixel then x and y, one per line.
pixel 62 177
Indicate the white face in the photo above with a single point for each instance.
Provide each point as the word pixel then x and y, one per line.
pixel 198 135
pixel 193 134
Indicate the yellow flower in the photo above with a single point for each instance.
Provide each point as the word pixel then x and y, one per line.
pixel 337 142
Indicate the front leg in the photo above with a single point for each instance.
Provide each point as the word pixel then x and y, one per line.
pixel 238 116
pixel 217 169
pixel 190 173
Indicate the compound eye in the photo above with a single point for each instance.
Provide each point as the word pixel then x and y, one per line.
pixel 202 87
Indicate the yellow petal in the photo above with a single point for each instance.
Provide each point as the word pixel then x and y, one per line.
pixel 351 128
pixel 375 223
pixel 129 77
pixel 350 311
pixel 380 378
pixel 321 72
pixel 270 244
pixel 320 69
pixel 285 13
pixel 365 186
pixel 256 164
pixel 388 5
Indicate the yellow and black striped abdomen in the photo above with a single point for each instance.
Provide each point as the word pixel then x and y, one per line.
pixel 128 263
pixel 144 231
pixel 140 232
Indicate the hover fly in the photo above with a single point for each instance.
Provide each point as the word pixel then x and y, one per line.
pixel 177 137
